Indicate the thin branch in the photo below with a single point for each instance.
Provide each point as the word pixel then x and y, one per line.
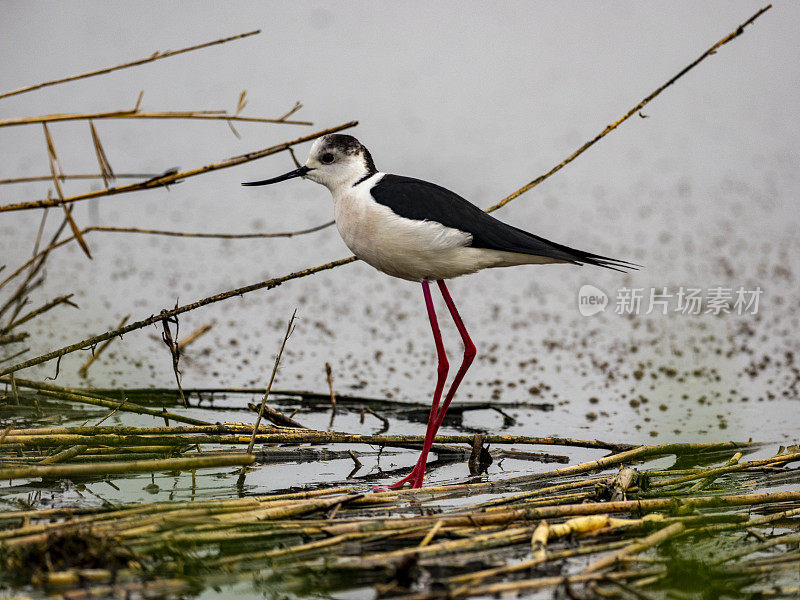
pixel 263 405
pixel 151 58
pixel 102 159
pixel 329 375
pixel 89 397
pixel 63 177
pixel 203 329
pixel 13 338
pixel 222 236
pixel 276 416
pixel 612 126
pixel 15 355
pixel 131 466
pixel 169 340
pixel 271 380
pixel 53 157
pixel 207 115
pixel 38 311
pixel 173 177
pixel 268 284
pixel 39 233
pixel 28 284
pixel 85 368
pixel 297 106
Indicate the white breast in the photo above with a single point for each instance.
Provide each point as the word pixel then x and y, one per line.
pixel 398 246
pixel 410 249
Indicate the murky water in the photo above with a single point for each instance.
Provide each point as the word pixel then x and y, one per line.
pixel 702 193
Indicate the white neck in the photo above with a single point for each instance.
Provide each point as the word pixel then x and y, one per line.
pixel 348 187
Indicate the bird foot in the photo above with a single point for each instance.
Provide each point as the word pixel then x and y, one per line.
pixel 414 478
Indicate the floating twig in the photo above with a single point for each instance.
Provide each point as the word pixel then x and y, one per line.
pixel 134 466
pixel 54 391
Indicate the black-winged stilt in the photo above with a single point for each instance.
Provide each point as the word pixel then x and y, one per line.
pixel 420 231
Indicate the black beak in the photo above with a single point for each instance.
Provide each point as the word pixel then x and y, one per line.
pixel 290 175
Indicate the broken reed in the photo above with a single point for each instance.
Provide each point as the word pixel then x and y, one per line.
pixel 350 537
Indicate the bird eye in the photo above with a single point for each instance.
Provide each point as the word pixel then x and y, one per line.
pixel 327 158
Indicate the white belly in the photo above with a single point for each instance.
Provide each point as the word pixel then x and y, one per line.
pixel 409 249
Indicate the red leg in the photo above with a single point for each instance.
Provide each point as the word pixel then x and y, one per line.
pixel 437 414
pixel 469 355
pixel 416 475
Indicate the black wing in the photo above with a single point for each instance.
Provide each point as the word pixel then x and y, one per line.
pixel 424 201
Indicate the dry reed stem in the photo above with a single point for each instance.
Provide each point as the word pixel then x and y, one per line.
pixel 504 537
pixel 571 510
pixel 329 376
pixel 223 236
pixel 753 522
pixel 161 511
pixel 63 177
pixel 151 58
pixel 64 455
pixel 274 435
pixel 192 337
pixel 208 115
pixel 711 473
pixel 431 534
pixel 102 159
pixel 523 585
pixel 240 434
pixel 172 177
pixel 271 380
pixel 268 284
pixel 134 466
pixel 170 342
pixel 38 311
pixel 58 392
pixel 13 338
pixel 53 160
pixel 277 417
pixel 100 349
pixel 744 550
pixel 34 265
pixel 478 576
pixel 702 484
pixel 246 429
pixel 612 126
pixel 498 502
pixel 635 454
pixel 15 355
pixel 635 548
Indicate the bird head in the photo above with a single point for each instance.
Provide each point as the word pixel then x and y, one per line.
pixel 335 161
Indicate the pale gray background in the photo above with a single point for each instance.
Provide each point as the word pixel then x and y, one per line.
pixel 480 98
